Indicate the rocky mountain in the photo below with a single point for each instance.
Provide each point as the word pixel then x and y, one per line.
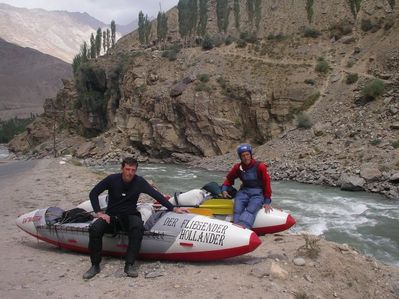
pixel 27 77
pixel 313 83
pixel 57 33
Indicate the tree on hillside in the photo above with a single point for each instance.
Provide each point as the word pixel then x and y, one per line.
pixel 147 29
pixel 113 33
pixel 309 10
pixel 258 13
pixel 108 39
pixel 355 6
pixel 98 41
pixel 76 62
pixel 141 27
pixel 237 14
pixel 203 17
pixel 80 58
pixel 222 13
pixel 250 12
pixel 193 17
pixel 84 52
pixel 162 26
pixel 183 14
pixel 93 51
pixel 105 41
pixel 164 22
pixel 159 24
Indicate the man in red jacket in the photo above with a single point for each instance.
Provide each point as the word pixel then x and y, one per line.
pixel 255 190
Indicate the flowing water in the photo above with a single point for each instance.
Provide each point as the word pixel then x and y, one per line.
pixel 365 221
pixel 3 151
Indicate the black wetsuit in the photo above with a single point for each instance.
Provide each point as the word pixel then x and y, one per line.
pixel 122 207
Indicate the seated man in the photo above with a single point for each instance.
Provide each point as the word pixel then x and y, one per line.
pixel 123 192
pixel 255 190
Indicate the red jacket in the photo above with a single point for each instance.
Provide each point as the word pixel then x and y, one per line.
pixel 263 175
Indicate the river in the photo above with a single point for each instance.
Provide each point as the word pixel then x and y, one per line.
pixel 3 151
pixel 366 221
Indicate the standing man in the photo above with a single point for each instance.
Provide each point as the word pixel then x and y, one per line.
pixel 255 190
pixel 123 192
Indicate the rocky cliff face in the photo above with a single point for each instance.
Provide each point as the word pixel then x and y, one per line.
pixel 152 104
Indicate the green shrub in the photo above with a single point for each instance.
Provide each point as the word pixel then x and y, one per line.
pixel 172 55
pixel 310 100
pixel 241 43
pixel 229 40
pixel 375 141
pixel 277 37
pixel 310 32
pixel 248 37
pixel 373 89
pixel 301 295
pixel 322 66
pixel 201 86
pixel 389 23
pixel 395 144
pixel 77 104
pixel 351 78
pixel 310 81
pixel 366 25
pixel 340 29
pixel 218 40
pixel 165 54
pixel 207 43
pixel 350 63
pixel 171 52
pixel 203 77
pixel 12 127
pixel 303 121
pixel 222 82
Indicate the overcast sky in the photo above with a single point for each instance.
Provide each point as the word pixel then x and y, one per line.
pixel 122 11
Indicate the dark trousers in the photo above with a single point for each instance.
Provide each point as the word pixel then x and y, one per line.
pixel 131 224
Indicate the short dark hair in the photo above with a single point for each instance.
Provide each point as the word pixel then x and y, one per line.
pixel 130 161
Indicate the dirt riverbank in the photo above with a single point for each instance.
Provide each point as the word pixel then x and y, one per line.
pixel 280 268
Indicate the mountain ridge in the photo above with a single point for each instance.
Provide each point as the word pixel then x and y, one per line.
pixel 57 33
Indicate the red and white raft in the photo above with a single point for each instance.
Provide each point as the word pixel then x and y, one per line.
pixel 268 223
pixel 185 237
pixel 274 221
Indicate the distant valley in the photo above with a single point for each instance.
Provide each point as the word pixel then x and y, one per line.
pixel 57 33
pixel 28 77
pixel 36 49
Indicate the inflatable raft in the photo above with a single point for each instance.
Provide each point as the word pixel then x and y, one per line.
pixel 274 221
pixel 184 237
pixel 265 223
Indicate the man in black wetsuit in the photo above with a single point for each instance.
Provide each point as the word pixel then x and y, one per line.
pixel 123 192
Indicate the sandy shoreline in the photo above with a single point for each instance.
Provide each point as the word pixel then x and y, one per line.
pixel 34 269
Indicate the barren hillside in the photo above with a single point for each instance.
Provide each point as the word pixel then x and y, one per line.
pixel 292 82
pixel 28 77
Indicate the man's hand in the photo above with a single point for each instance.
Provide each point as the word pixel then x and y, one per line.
pixel 226 194
pixel 180 210
pixel 103 216
pixel 267 208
